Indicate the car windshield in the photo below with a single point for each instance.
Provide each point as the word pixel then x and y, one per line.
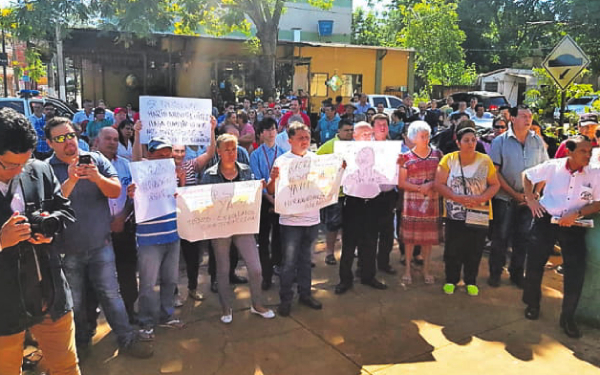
pixel 498 101
pixel 581 101
pixel 17 105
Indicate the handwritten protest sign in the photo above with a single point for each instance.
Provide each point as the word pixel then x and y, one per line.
pixel 369 164
pixel 155 188
pixel 308 184
pixel 183 121
pixel 219 210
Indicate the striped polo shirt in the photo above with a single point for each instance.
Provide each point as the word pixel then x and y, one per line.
pixel 159 231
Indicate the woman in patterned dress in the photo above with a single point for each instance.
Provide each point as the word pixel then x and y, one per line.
pixel 421 221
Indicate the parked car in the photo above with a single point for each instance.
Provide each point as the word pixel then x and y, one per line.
pixel 390 102
pixel 579 105
pixel 492 101
pixel 28 97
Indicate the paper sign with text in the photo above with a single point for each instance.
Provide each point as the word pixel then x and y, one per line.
pixel 183 121
pixel 369 164
pixel 308 184
pixel 155 188
pixel 218 210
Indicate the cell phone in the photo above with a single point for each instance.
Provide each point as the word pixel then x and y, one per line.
pixel 84 159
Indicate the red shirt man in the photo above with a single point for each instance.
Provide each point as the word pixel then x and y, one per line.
pixel 294 110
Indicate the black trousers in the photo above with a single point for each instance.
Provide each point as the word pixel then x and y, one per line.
pixel 212 262
pixel 573 249
pixel 359 230
pixel 192 253
pixel 462 251
pixel 511 222
pixel 385 205
pixel 269 234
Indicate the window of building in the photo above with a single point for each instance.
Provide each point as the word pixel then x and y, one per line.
pixel 352 83
pixel 318 84
pixel 491 86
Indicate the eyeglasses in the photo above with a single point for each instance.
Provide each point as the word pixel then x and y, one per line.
pixel 11 166
pixel 63 137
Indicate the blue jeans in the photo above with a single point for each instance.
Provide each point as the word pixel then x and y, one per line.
pixel 296 245
pixel 98 265
pixel 157 262
pixel 512 222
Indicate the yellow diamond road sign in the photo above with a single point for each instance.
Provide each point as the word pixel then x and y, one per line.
pixel 565 62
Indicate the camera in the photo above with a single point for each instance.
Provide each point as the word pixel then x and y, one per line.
pixel 47 226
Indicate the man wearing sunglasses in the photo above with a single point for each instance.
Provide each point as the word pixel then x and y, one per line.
pixel 512 152
pixel 89 179
pixel 33 289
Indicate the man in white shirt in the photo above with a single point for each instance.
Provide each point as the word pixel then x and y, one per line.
pixel 122 230
pixel 298 232
pixel 572 191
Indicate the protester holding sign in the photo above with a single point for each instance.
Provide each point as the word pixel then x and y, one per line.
pixel 261 162
pixel 359 226
pixel 332 215
pixel 158 252
pixel 228 170
pixel 186 176
pixel 467 179
pixel 298 232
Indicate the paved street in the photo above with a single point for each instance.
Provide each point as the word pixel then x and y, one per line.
pixel 415 330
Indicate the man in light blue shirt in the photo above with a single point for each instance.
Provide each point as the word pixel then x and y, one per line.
pixel 363 105
pixel 328 125
pixel 261 163
pixel 513 152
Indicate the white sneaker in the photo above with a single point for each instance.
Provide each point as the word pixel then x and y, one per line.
pixel 227 319
pixel 177 301
pixel 269 314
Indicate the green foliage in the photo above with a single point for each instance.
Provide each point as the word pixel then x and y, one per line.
pixel 548 97
pixel 35 69
pixel 432 30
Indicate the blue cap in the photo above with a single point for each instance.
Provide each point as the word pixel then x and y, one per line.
pixel 158 143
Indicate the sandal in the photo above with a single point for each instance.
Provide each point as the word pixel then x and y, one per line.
pixel 407 279
pixel 429 279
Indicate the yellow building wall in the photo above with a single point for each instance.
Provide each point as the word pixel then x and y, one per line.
pixel 353 60
pixel 394 70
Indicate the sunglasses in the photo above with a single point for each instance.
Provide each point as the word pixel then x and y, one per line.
pixel 63 137
pixel 499 127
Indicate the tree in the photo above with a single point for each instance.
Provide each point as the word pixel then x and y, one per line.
pixel 431 28
pixel 501 33
pixel 39 18
pixel 189 17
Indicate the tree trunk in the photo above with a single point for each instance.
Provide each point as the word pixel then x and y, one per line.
pixel 266 72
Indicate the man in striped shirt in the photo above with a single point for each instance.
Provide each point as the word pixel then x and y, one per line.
pixel 158 255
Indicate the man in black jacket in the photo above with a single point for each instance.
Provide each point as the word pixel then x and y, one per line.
pixel 33 288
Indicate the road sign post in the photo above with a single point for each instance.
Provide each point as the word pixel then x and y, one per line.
pixel 564 64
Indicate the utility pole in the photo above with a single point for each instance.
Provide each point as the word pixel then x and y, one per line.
pixel 60 60
pixel 4 83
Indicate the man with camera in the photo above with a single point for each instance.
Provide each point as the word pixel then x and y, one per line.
pixel 89 180
pixel 33 289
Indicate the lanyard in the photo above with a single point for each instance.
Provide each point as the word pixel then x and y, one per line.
pixel 269 165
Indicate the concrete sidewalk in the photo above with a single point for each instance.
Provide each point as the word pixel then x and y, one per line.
pixel 412 329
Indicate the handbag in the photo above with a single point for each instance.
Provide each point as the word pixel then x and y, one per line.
pixel 475 218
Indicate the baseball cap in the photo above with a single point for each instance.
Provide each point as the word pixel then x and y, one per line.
pixel 350 105
pixel 588 119
pixel 119 109
pixel 158 143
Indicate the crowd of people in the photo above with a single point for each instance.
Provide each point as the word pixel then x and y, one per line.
pixel 456 186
